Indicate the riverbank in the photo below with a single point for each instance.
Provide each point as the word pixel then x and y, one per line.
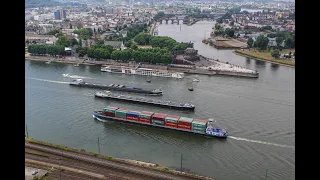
pixel 205 66
pixel 226 43
pixel 264 56
pixel 93 157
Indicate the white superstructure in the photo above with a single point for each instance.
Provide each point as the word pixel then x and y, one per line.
pixel 142 71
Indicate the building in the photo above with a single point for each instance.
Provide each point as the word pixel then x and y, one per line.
pixel 60 14
pixel 115 44
pixel 113 10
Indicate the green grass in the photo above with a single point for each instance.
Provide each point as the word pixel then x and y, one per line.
pixel 266 56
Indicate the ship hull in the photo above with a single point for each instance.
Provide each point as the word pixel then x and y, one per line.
pixel 143 102
pixel 100 117
pixel 106 87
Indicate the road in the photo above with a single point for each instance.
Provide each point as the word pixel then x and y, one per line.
pixel 85 165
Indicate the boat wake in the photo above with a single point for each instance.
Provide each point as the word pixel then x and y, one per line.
pixel 75 76
pixel 260 142
pixel 45 80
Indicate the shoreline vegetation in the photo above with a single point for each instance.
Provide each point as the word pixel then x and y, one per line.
pixel 265 56
pixel 125 161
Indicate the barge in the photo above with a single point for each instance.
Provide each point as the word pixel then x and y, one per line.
pixel 159 120
pixel 142 100
pixel 116 87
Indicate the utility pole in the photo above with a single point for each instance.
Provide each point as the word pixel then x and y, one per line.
pixel 27 130
pixel 266 174
pixel 181 163
pixel 98 146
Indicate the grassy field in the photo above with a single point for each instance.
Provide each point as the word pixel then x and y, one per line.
pixel 266 56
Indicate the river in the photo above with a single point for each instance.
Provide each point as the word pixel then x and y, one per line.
pixel 258 113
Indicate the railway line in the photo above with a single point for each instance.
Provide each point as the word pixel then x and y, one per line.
pixel 90 167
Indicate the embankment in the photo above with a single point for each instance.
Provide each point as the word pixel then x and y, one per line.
pixel 279 62
pixel 115 163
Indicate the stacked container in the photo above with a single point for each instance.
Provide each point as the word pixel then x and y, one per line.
pixel 133 115
pixel 199 125
pixel 185 123
pixel 121 113
pixel 158 118
pixel 172 121
pixel 145 116
pixel 109 111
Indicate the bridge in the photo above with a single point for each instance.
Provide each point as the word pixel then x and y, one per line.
pixel 176 18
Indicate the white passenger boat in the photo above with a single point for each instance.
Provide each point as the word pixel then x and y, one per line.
pixel 142 71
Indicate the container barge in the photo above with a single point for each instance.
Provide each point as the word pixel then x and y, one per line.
pixel 109 95
pixel 116 87
pixel 172 122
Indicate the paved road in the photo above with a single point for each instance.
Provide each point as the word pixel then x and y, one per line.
pixel 97 165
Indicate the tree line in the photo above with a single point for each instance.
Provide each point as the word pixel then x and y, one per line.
pixel 104 52
pixel 161 42
pixel 40 49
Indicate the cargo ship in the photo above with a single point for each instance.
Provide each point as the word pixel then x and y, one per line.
pixel 160 120
pixel 142 71
pixel 116 87
pixel 170 104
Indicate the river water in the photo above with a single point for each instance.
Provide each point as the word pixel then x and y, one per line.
pixel 258 113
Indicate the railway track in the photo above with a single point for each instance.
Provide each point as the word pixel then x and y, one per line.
pixel 86 162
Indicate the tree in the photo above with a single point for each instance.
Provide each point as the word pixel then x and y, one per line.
pixel 289 42
pixel 275 53
pixel 272 35
pixel 53 32
pixel 159 15
pixel 84 33
pixel 80 42
pixel 134 47
pixel 262 42
pixel 250 42
pixel 279 41
pixel 63 41
pixel 229 32
pixel 74 42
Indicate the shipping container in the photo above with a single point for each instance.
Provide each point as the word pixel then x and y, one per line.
pixel 110 109
pixel 185 121
pixel 145 116
pixel 170 124
pixel 197 128
pixel 172 118
pixel 121 113
pixel 199 123
pixel 184 127
pixel 144 120
pixel 201 132
pixel 159 116
pixel 158 122
pixel 110 114
pixel 133 115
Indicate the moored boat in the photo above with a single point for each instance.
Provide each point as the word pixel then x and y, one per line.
pixel 142 71
pixel 160 120
pixel 116 87
pixel 142 100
